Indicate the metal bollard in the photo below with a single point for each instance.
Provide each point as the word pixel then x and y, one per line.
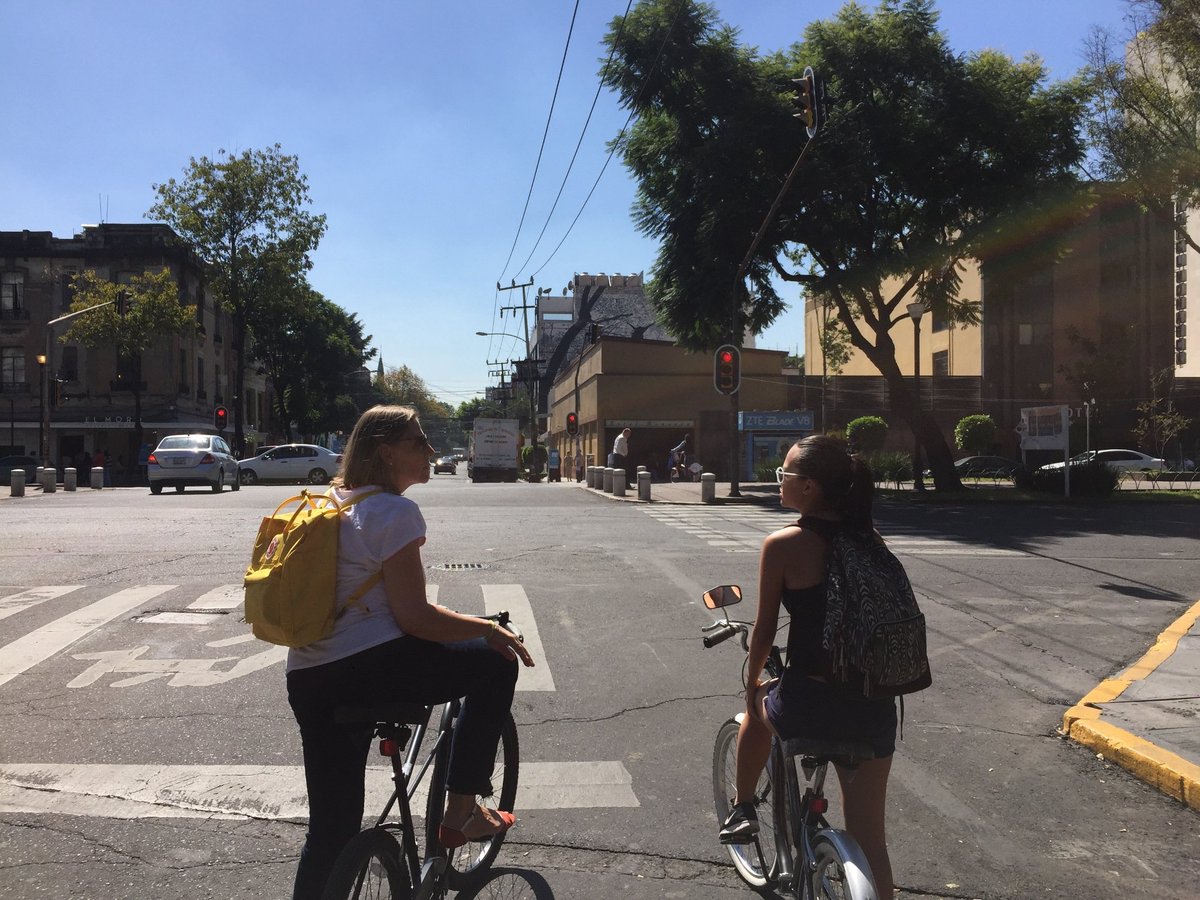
pixel 49 480
pixel 643 485
pixel 708 487
pixel 606 480
pixel 97 479
pixel 16 483
pixel 69 478
pixel 618 482
pixel 593 477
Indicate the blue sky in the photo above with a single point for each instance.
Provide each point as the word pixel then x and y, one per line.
pixel 417 123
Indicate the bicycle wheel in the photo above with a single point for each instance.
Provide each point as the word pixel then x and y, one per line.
pixel 841 872
pixel 465 864
pixel 744 856
pixel 369 867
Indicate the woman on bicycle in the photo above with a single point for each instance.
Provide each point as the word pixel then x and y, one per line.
pixel 831 489
pixel 393 646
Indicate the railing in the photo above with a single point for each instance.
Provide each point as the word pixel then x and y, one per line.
pixel 14 387
pixel 124 384
pixel 15 314
pixel 201 395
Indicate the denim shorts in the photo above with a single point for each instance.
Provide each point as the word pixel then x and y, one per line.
pixel 804 708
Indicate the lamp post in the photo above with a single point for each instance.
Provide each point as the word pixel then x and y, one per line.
pixel 43 424
pixel 530 389
pixel 916 309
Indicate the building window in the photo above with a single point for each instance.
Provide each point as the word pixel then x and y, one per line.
pixel 68 369
pixel 12 291
pixel 12 367
pixel 201 393
pixel 1025 334
pixel 939 321
pixel 941 362
pixel 67 291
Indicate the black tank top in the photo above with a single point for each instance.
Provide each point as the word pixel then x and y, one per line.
pixel 806 606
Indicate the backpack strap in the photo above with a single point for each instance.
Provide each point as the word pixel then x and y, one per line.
pixel 355 599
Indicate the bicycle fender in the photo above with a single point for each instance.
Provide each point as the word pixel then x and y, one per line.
pixel 858 871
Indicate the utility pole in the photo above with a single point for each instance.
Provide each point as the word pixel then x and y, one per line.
pixel 531 384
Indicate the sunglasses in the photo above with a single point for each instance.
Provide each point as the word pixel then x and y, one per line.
pixel 419 438
pixel 780 474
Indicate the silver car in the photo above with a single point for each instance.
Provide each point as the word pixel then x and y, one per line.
pixel 192 459
pixel 291 462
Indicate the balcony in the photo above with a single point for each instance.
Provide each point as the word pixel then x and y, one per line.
pixel 125 384
pixel 15 387
pixel 202 395
pixel 15 315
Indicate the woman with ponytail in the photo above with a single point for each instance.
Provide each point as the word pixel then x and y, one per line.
pixel 831 489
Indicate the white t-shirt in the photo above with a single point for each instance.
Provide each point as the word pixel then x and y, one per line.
pixel 621 445
pixel 372 530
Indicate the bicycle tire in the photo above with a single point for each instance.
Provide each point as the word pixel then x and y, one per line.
pixel 837 875
pixel 466 864
pixel 370 867
pixel 744 856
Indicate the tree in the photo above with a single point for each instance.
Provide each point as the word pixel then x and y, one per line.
pixel 1158 423
pixel 866 434
pixel 975 433
pixel 244 216
pixel 1147 106
pixel 928 158
pixel 138 315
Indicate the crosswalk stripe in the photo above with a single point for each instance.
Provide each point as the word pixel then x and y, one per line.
pixel 497 597
pixel 15 603
pixel 227 596
pixel 270 792
pixel 26 652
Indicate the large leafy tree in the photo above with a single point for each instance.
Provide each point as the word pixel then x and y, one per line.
pixel 928 158
pixel 128 318
pixel 1147 106
pixel 245 217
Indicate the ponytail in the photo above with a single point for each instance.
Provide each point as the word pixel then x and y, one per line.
pixel 845 478
pixel 856 503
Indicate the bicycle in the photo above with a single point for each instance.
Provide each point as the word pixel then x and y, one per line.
pixel 384 860
pixel 796 852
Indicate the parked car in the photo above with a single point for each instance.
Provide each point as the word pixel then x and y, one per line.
pixel 192 459
pixel 291 462
pixel 447 464
pixel 1120 460
pixel 987 466
pixel 8 463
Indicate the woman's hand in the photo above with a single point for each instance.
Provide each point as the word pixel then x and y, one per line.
pixel 506 643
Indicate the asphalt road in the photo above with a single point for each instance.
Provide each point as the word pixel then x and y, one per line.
pixel 142 668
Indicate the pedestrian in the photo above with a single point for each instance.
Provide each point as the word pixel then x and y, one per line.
pixel 394 646
pixel 677 459
pixel 579 461
pixel 555 465
pixel 620 450
pixel 832 490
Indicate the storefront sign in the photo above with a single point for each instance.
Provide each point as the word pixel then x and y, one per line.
pixel 781 420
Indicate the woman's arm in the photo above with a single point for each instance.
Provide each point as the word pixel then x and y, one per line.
pixel 404 581
pixel 766 623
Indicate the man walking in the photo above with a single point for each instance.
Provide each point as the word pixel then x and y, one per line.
pixel 620 451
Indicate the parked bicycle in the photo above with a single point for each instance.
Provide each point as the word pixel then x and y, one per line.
pixel 796 853
pixel 384 861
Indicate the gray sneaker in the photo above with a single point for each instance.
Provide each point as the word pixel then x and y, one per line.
pixel 740 826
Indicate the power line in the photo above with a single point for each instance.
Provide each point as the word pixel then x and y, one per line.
pixel 542 148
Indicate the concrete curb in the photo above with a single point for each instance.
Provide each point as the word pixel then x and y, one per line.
pixel 1083 723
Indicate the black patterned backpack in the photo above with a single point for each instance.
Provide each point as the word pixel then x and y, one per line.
pixel 874 635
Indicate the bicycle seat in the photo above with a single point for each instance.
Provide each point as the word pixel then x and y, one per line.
pixel 393 712
pixel 842 752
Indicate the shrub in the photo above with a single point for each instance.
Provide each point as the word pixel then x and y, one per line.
pixel 975 433
pixel 1090 479
pixel 765 470
pixel 891 466
pixel 866 434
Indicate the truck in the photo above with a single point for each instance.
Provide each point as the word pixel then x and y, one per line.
pixel 493 451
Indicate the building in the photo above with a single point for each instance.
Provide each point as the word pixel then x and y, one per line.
pixel 76 399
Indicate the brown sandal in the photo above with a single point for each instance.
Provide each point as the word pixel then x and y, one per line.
pixel 452 838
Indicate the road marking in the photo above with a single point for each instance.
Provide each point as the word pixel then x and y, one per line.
pixel 227 596
pixel 176 672
pixel 11 605
pixel 266 792
pixel 497 597
pixel 26 652
pixel 183 618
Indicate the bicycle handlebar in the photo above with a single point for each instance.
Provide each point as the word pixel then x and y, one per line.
pixel 722 631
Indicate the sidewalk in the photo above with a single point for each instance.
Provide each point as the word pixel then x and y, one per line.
pixel 1145 719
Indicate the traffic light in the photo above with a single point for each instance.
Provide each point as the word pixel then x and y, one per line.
pixel 220 418
pixel 727 369
pixel 810 101
pixel 122 302
pixel 572 423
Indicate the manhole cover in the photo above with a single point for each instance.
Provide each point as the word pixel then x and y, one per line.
pixel 454 567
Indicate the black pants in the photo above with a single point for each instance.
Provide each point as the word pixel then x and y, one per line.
pixel 335 756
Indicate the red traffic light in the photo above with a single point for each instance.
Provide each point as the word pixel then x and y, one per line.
pixel 220 418
pixel 726 357
pixel 727 370
pixel 572 423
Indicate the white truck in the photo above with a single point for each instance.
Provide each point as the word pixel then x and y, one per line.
pixel 493 454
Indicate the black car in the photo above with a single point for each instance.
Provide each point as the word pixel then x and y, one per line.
pixel 987 467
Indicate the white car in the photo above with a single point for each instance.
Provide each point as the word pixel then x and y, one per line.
pixel 192 459
pixel 1117 459
pixel 291 462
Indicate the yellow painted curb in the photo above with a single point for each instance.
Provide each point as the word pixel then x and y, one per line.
pixel 1083 723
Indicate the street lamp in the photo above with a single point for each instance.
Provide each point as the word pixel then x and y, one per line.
pixel 531 389
pixel 43 421
pixel 916 309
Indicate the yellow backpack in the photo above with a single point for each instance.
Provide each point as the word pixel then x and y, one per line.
pixel 291 583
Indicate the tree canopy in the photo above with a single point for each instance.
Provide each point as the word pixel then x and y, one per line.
pixel 929 157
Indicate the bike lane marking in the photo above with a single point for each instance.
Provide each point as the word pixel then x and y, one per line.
pixel 512 597
pixel 267 792
pixel 39 645
pixel 15 603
